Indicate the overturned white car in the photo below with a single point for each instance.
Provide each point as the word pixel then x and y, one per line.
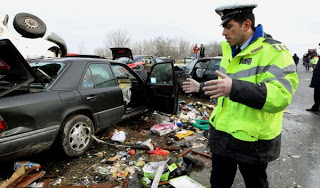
pixel 31 43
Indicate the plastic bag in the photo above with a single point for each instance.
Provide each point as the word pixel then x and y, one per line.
pixel 148 144
pixel 118 136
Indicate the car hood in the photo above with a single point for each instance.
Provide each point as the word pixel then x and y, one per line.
pixel 13 67
pixel 121 52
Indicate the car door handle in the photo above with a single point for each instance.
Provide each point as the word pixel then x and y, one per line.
pixel 91 97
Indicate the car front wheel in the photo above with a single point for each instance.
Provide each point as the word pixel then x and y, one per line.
pixel 76 137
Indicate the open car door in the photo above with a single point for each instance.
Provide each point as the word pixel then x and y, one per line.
pixel 161 90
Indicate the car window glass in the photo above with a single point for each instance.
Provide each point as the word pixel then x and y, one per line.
pixel 203 64
pixel 190 66
pixel 87 81
pixel 148 60
pixel 214 65
pixel 102 75
pixel 122 72
pixel 158 60
pixel 162 74
pixel 125 60
pixel 137 58
pixel 47 72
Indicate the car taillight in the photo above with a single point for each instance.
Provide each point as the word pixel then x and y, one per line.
pixel 3 124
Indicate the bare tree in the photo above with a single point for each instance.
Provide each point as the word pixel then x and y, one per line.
pixel 100 52
pixel 145 47
pixel 81 49
pixel 213 49
pixel 177 48
pixel 166 47
pixel 184 48
pixel 117 38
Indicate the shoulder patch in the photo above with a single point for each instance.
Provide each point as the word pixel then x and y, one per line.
pixel 256 50
pixel 279 47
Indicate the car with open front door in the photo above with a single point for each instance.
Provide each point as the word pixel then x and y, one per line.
pixel 137 62
pixel 67 100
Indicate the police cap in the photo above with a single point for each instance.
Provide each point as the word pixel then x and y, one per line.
pixel 227 12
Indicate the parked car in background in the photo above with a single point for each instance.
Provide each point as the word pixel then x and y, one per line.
pixel 183 70
pixel 199 69
pixel 205 69
pixel 168 59
pixel 31 43
pixel 67 100
pixel 137 62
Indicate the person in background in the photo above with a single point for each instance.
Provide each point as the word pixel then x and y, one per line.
pixel 308 62
pixel 195 51
pixel 315 83
pixel 296 59
pixel 202 49
pixel 314 61
pixel 257 80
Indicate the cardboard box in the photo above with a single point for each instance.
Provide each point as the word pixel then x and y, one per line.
pixel 163 128
pixel 150 170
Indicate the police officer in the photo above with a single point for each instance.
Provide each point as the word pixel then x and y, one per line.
pixel 314 61
pixel 257 79
pixel 315 83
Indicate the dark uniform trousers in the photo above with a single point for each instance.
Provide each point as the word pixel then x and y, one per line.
pixel 224 170
pixel 316 98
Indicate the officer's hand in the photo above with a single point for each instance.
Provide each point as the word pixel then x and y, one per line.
pixel 190 86
pixel 218 88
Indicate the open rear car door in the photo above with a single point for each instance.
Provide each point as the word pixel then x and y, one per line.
pixel 161 90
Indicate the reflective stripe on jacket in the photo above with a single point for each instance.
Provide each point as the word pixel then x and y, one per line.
pixel 264 80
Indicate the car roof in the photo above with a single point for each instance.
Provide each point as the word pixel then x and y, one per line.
pixel 80 58
pixel 216 57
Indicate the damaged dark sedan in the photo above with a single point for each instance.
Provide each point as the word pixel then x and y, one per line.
pixel 67 100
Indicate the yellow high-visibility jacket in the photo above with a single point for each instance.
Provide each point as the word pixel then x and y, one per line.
pixel 314 60
pixel 249 120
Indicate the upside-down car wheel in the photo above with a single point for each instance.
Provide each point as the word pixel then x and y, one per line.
pixel 29 25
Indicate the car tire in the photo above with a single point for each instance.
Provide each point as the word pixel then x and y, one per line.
pixel 76 137
pixel 29 25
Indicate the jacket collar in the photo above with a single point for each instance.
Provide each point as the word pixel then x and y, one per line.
pixel 257 33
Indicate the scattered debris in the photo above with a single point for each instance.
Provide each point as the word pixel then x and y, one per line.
pixel 163 128
pixel 158 153
pixel 183 133
pixel 294 156
pixel 181 181
pixel 118 136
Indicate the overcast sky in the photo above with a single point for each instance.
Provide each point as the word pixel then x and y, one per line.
pixel 84 24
